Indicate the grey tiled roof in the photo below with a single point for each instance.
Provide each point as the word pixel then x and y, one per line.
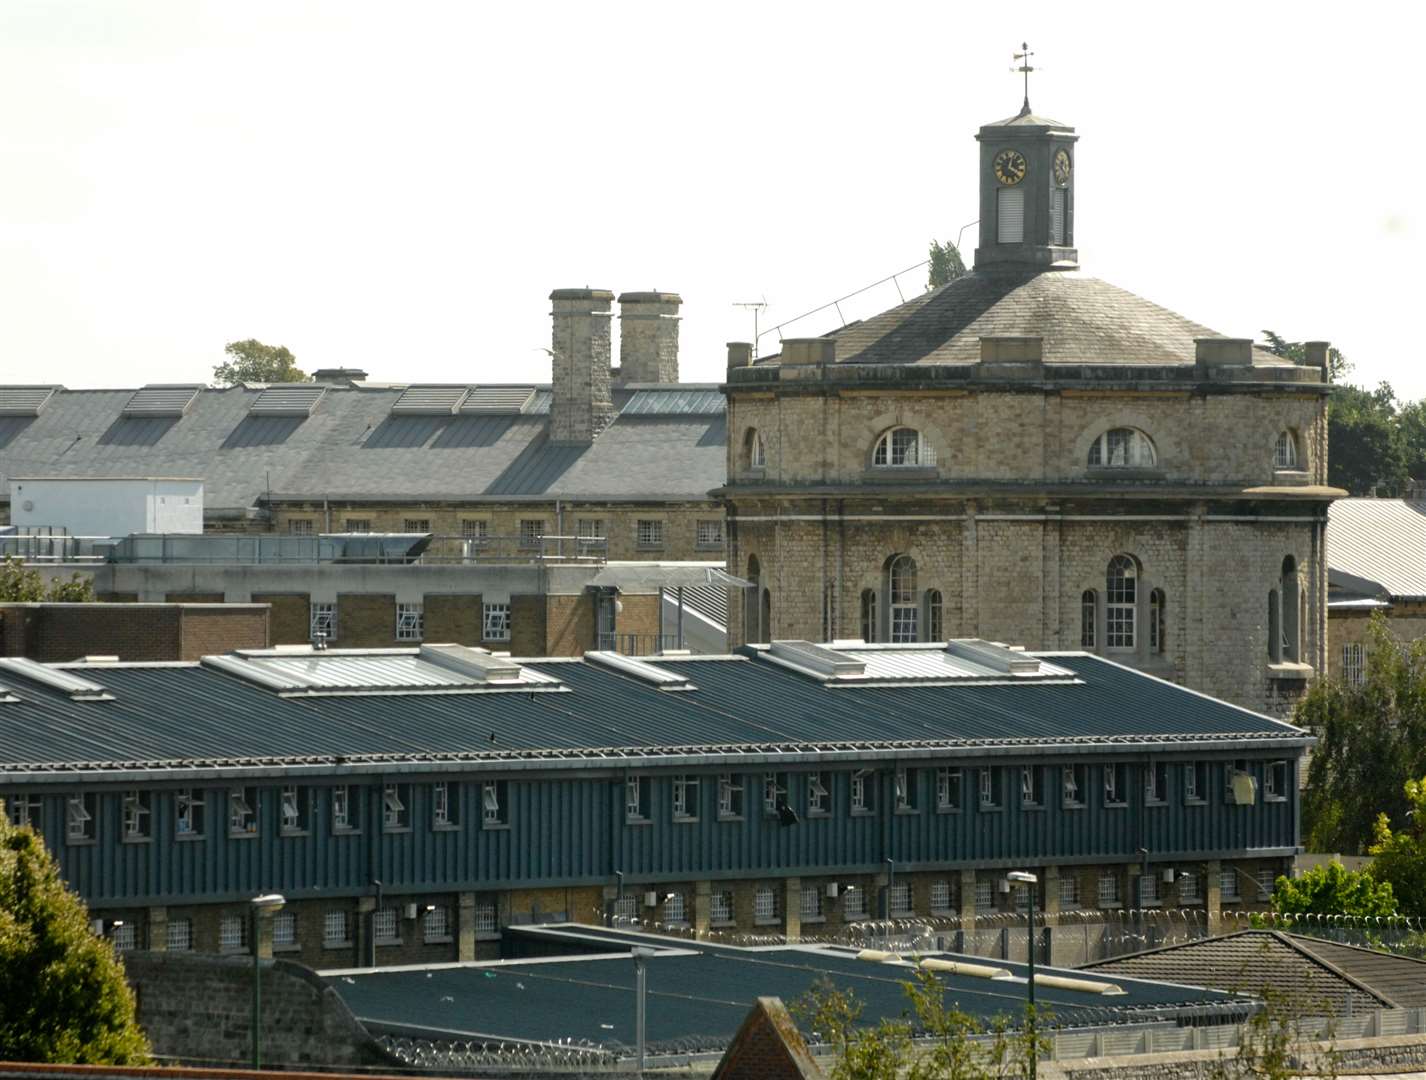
pixel 352 446
pixel 1081 320
pixel 1377 546
pixel 1320 977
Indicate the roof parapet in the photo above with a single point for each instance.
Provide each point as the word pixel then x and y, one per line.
pixel 1223 352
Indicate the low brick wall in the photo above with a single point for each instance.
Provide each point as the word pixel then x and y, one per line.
pixel 197 1010
pixel 1382 1054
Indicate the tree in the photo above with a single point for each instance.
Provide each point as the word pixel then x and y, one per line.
pixel 946 264
pixel 19 585
pixel 1399 858
pixel 252 361
pixel 1337 364
pixel 1331 889
pixel 65 998
pixel 1366 448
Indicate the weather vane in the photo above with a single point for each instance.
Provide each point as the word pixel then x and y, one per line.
pixel 1025 69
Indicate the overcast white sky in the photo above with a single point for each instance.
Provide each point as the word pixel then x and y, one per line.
pixel 398 187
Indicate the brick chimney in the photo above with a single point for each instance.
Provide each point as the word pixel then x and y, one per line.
pixel 648 337
pixel 581 407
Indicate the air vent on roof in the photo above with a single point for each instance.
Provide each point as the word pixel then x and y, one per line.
pixel 55 678
pixel 429 400
pixel 7 696
pixel 295 400
pixel 816 659
pixel 497 399
pixel 162 400
pixel 24 400
pixel 991 655
pixel 686 402
pixel 472 663
pixel 642 670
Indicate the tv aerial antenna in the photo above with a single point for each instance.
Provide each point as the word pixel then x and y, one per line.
pixel 757 307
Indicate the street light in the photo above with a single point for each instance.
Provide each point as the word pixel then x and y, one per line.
pixel 266 904
pixel 641 1035
pixel 1022 877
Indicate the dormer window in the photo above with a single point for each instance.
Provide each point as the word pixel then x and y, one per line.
pixel 1122 448
pixel 901 448
pixel 1285 453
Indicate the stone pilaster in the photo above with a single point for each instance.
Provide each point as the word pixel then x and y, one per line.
pixel 792 908
pixel 158 929
pixel 465 926
pixel 702 907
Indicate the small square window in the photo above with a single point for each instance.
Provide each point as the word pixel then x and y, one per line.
pixel 496 622
pixel 345 809
pixel 532 531
pixel 649 533
pixel 358 525
pixel 709 533
pixel 416 525
pixel 436 924
pixel 335 932
pixel 385 926
pixel 324 622
pixel 443 806
pixel 819 799
pixel 395 807
pixel 410 622
pixel 295 814
pixel 232 933
pixel 948 790
pixel 636 799
pixel 178 937
pixel 495 804
pixel 138 815
pixel 81 818
pixel 242 812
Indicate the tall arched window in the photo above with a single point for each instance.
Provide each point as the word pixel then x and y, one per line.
pixel 901 447
pixel 751 597
pixel 1291 610
pixel 1156 621
pixel 935 616
pixel 1120 599
pixel 767 615
pixel 901 596
pixel 1285 453
pixel 1088 616
pixel 1274 626
pixel 1122 448
pixel 754 450
pixel 868 614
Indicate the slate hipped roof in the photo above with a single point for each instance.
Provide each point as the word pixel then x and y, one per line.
pixel 1318 976
pixel 1080 320
pixel 353 446
pixel 1377 548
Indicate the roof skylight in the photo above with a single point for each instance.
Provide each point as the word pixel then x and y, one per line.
pixel 24 400
pixel 296 399
pixel 497 399
pixel 159 399
pixel 969 660
pixel 78 689
pixel 429 400
pixel 430 669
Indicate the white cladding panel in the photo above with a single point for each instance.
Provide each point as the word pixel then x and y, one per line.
pixel 108 507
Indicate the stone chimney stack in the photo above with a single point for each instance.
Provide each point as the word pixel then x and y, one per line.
pixel 648 337
pixel 581 407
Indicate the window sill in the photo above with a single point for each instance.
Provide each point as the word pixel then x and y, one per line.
pixel 1072 806
pixel 807 920
pixel 685 821
pixel 708 547
pixel 732 819
pixel 1291 477
pixel 863 813
pixel 1289 670
pixel 387 943
pixel 991 808
pixel 295 832
pixel 137 840
pixel 345 831
pixel 1275 798
pixel 392 829
pixel 183 838
pixel 909 473
pixel 722 924
pixel 944 912
pixel 1195 802
pixel 242 836
pixel 1110 905
pixel 766 921
pixel 1116 806
pixel 287 948
pixel 493 826
pixel 907 811
pixel 443 940
pixel 335 945
pixel 1156 802
pixel 948 809
pixel 637 821
pixel 1123 472
pixel 487 935
pixel 445 826
pixel 1034 806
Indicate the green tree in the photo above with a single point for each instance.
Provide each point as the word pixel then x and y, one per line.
pixel 1399 858
pixel 21 585
pixel 1366 449
pixel 63 990
pixel 252 361
pixel 1331 889
pixel 1337 364
pixel 1371 741
pixel 946 264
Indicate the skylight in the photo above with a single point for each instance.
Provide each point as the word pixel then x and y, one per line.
pixel 429 400
pixel 643 670
pixel 159 399
pixel 296 399
pixel 56 678
pixel 24 400
pixel 967 660
pixel 497 399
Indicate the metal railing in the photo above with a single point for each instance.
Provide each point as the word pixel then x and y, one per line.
pixel 637 644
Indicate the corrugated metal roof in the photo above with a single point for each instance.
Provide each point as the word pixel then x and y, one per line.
pixel 497 399
pixel 160 400
pixel 24 400
pixel 430 400
pixel 296 399
pixel 171 715
pixel 1379 542
pixel 675 402
pixel 698 993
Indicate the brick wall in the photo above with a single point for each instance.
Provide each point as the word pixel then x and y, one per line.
pixel 527 626
pixel 455 619
pixel 54 633
pixel 569 624
pixel 291 617
pixel 366 620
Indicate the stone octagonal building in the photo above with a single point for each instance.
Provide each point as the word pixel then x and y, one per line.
pixel 1035 456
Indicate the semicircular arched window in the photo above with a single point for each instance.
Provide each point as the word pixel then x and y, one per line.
pixel 1123 448
pixel 900 448
pixel 1285 452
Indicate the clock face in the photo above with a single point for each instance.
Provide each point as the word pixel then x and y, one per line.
pixel 1009 166
pixel 1062 167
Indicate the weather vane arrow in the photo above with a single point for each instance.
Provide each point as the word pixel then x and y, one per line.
pixel 1024 57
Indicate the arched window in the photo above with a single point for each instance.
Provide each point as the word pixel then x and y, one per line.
pixel 767 615
pixel 1291 611
pixel 1156 621
pixel 751 596
pixel 1122 448
pixel 868 614
pixel 901 595
pixel 935 616
pixel 754 450
pixel 1088 615
pixel 1121 597
pixel 1285 454
pixel 901 447
pixel 1274 626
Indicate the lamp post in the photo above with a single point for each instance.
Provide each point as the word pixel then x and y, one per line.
pixel 641 1034
pixel 1021 877
pixel 259 906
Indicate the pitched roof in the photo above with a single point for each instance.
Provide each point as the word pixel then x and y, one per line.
pixel 1320 976
pixel 1378 547
pixel 1080 320
pixel 353 446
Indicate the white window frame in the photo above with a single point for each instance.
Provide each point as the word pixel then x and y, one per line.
pixel 442 816
pixel 1149 890
pixel 357 525
pixel 323 621
pixel 436 924
pixel 1114 793
pixel 860 802
pixel 495 622
pixel 1285 450
pixel 1189 891
pixel 730 797
pixel 284 930
pixel 1121 604
pixel 23 810
pixel 301 527
pixel 1123 448
pixel 415 525
pixel 336 929
pixel 1354 663
pixel 1071 787
pixel 386 926
pixel 1276 780
pixel 1228 884
pixel 233 934
pixel 757 450
pixel 819 796
pixel 685 797
pixel 138 811
pixel 1267 881
pixel 810 904
pixel 948 790
pixel 986 785
pixel 774 788
pixel 902 600
pixel 242 812
pixel 905 784
pixel 410 621
pixel 1156 783
pixel 649 533
pixel 487 923
pixel 708 533
pixel 494 804
pixel 475 530
pixel 178 936
pixel 1032 787
pixel 854 903
pixel 720 908
pixel 80 826
pixel 1195 782
pixel 675 909
pixel 636 799
pixel 342 817
pixel 395 811
pixel 294 810
pixel 902 448
pixel 532 534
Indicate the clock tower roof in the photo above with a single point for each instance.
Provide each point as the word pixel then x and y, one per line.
pixel 1024 119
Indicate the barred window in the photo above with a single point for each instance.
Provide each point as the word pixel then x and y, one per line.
pixel 899 899
pixel 1122 448
pixel 137 814
pixel 984 894
pixel 902 447
pixel 854 903
pixel 232 933
pixel 242 811
pixel 335 929
pixel 1189 891
pixel 1069 892
pixel 410 622
pixel 1354 663
pixel 1267 881
pixel 358 525
pixel 765 904
pixel 284 930
pixel 649 533
pixel 416 525
pixel 1148 890
pixel 709 533
pixel 475 529
pixel 496 618
pixel 395 807
pixel 179 935
pixel 730 796
pixel 1285 451
pixel 300 527
pixel 436 924
pixel 385 926
pixel 294 809
pixel 810 904
pixel 1088 614
pixel 486 923
pixel 1228 883
pixel 125 936
pixel 674 909
pixel 904 610
pixel 685 797
pixel 591 529
pixel 80 826
pixel 1108 889
pixel 531 532
pixel 948 790
pixel 323 622
pixel 942 895
pixel 1121 596
pixel 818 797
pixel 720 907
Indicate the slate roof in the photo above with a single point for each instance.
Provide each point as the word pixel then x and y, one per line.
pixel 196 717
pixel 353 447
pixel 698 992
pixel 1081 320
pixel 1319 976
pixel 1377 547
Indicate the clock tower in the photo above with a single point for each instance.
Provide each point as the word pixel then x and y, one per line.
pixel 1027 169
